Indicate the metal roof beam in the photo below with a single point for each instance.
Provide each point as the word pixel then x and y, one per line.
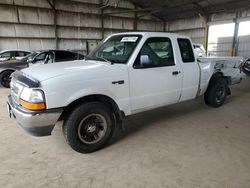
pixel 132 10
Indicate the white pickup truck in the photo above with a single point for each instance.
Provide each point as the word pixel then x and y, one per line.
pixel 126 74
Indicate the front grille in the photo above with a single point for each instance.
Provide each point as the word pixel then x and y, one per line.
pixel 16 89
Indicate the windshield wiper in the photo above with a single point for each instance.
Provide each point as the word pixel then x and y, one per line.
pixel 106 60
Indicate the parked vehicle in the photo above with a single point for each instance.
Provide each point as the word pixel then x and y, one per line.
pixel 246 67
pixel 7 55
pixel 147 71
pixel 35 58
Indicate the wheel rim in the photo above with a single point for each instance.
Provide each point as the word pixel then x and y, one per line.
pixel 220 94
pixel 92 128
pixel 6 79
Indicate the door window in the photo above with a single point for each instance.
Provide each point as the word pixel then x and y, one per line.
pixel 40 58
pixel 6 54
pixel 159 52
pixel 20 54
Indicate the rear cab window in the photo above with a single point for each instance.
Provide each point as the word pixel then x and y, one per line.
pixel 186 50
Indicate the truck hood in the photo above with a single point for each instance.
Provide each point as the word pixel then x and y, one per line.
pixel 88 69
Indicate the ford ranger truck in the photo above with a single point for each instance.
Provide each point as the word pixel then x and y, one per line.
pixel 126 74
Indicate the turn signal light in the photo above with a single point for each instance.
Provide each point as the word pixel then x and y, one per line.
pixel 32 106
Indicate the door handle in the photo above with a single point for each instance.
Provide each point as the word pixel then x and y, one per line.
pixel 118 82
pixel 176 72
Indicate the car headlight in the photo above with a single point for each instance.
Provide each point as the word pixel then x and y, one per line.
pixel 32 99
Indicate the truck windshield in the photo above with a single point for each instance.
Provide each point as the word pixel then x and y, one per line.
pixel 117 49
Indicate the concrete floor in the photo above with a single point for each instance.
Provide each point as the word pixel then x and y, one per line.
pixel 186 145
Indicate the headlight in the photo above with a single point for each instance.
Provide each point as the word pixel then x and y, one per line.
pixel 32 99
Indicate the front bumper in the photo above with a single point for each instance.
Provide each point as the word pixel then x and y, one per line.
pixel 39 123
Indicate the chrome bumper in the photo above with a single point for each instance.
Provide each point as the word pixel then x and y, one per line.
pixel 35 123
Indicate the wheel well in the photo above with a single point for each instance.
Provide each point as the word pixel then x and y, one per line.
pixel 220 75
pixel 6 71
pixel 107 101
pixel 216 75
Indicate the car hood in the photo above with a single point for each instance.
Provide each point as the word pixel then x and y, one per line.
pixel 84 69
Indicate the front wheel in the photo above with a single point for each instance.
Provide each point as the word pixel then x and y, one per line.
pixel 89 127
pixel 216 93
pixel 5 79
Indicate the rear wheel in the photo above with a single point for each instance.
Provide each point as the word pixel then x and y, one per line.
pixel 89 127
pixel 5 79
pixel 216 93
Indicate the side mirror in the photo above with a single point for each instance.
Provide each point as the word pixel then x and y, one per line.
pixel 145 61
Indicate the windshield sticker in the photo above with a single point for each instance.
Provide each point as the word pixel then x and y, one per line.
pixel 129 39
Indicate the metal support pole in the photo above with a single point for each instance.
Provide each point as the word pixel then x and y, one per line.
pixel 206 37
pixel 136 19
pixel 205 20
pixel 164 26
pixel 102 18
pixel 236 31
pixel 52 5
pixel 56 28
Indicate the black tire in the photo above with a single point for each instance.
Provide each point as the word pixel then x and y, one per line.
pixel 81 127
pixel 216 93
pixel 5 78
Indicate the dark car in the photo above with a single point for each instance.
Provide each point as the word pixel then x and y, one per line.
pixel 35 58
pixel 246 67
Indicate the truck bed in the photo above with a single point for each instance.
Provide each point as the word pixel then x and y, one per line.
pixel 229 66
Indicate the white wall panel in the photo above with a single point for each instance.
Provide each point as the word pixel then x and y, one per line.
pixel 244 46
pixel 78 7
pixel 185 24
pixel 32 3
pixel 29 24
pixel 7 30
pixel 67 32
pixel 8 14
pixel 117 23
pixel 145 25
pixel 73 45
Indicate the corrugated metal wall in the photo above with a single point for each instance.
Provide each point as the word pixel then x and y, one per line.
pixel 225 45
pixel 244 38
pixel 194 28
pixel 244 46
pixel 78 25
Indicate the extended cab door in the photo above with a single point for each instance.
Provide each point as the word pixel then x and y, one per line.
pixel 190 69
pixel 155 78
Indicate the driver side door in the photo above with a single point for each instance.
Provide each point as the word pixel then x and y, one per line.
pixel 158 83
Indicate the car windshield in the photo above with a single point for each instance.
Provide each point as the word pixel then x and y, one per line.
pixel 30 56
pixel 116 49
